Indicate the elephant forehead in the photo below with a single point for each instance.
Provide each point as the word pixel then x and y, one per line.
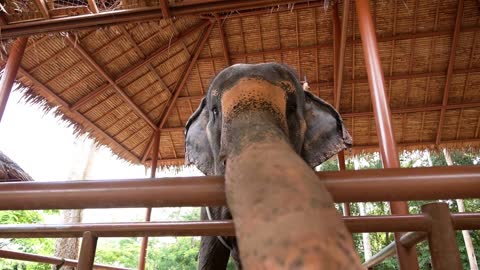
pixel 254 94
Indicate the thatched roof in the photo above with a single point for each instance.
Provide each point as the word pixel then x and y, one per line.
pixel 120 82
pixel 10 171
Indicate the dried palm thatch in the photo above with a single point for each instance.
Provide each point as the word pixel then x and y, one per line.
pixel 120 83
pixel 10 171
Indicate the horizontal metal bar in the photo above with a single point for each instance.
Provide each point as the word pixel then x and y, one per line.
pixel 394 223
pixel 345 186
pixel 22 256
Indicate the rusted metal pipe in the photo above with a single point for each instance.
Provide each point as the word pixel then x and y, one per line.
pixel 225 227
pixel 441 239
pixel 355 186
pixel 388 148
pixel 87 251
pixel 22 256
pixel 10 71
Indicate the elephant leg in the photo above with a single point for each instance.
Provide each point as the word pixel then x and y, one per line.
pixel 213 255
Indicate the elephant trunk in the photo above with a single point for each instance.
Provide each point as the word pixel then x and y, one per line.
pixel 284 217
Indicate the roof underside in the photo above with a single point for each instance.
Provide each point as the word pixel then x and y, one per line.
pixel 121 82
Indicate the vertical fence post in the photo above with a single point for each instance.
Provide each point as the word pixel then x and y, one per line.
pixel 441 239
pixel 10 72
pixel 144 246
pixel 407 257
pixel 87 251
pixel 339 40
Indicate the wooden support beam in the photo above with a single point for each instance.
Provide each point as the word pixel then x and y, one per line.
pixel 80 22
pixel 71 40
pixel 82 119
pixel 355 148
pixel 226 53
pixel 165 9
pixel 3 19
pixel 43 8
pixel 186 74
pixel 140 64
pixel 93 6
pixel 142 55
pixel 451 64
pixel 345 115
pixel 405 76
pixel 350 42
pixel 341 53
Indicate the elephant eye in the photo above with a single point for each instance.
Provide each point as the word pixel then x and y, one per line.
pixel 215 111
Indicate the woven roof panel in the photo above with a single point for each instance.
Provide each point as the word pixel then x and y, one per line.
pixel 145 63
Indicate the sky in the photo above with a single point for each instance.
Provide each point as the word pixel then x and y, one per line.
pixel 47 150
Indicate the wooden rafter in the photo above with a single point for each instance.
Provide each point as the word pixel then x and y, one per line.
pixel 186 74
pixel 72 23
pixel 171 22
pixel 328 44
pixel 226 52
pixel 341 53
pixel 165 9
pixel 3 19
pixel 202 40
pixel 403 76
pixel 49 93
pixel 451 64
pixel 354 148
pixel 43 8
pixel 142 55
pixel 92 6
pixel 139 65
pixel 418 109
pixel 71 40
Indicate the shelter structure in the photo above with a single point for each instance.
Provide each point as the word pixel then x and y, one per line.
pixel 403 75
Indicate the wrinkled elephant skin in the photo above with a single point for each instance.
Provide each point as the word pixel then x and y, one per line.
pixel 264 133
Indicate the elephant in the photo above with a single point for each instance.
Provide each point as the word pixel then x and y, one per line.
pixel 264 132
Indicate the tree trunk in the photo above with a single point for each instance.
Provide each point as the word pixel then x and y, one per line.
pixel 367 248
pixel 69 247
pixel 466 234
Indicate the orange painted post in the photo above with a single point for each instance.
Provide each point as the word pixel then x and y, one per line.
pixel 441 239
pixel 388 148
pixel 10 72
pixel 87 251
pixel 148 214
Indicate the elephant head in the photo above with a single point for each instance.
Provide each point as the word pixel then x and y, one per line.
pixel 313 127
pixel 259 128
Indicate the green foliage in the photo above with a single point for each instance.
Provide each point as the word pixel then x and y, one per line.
pixel 43 246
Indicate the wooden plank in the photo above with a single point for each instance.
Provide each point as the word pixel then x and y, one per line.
pixel 93 6
pixel 43 8
pixel 186 74
pixel 451 64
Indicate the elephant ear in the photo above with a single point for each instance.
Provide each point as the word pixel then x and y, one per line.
pixel 325 135
pixel 197 146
